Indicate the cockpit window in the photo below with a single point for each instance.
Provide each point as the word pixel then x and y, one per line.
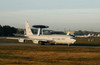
pixel 73 38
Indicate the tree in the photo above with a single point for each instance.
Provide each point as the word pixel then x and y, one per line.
pixel 8 31
pixel 0 30
pixel 79 32
pixel 20 31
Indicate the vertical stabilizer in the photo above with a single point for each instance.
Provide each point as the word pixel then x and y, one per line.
pixel 28 29
pixel 68 33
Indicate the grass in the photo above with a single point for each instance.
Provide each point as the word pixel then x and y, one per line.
pixel 93 40
pixel 49 55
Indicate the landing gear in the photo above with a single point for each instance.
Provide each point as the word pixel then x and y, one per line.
pixel 52 43
pixel 68 45
pixel 41 43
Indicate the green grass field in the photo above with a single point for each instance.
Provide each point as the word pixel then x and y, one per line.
pixel 49 55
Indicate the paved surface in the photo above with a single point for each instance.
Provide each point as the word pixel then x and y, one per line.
pixel 31 44
pixel 17 44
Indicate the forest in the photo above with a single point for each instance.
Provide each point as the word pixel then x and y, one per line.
pixel 7 30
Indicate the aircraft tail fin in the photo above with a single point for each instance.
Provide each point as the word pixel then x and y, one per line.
pixel 68 33
pixel 28 29
pixel 89 34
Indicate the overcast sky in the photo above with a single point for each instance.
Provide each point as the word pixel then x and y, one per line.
pixel 58 14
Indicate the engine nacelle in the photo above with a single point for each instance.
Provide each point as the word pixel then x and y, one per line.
pixel 21 40
pixel 35 41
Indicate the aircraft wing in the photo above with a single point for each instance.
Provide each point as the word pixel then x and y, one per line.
pixel 36 41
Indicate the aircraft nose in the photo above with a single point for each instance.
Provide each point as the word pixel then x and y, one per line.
pixel 73 40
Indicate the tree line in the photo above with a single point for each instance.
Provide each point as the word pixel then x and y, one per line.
pixel 7 30
pixel 80 32
pixel 10 31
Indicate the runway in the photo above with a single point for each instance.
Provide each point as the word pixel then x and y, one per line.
pixel 17 44
pixel 26 44
pixel 31 44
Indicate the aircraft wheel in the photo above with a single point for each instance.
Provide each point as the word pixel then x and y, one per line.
pixel 52 44
pixel 41 43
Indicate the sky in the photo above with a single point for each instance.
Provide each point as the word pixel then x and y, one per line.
pixel 57 14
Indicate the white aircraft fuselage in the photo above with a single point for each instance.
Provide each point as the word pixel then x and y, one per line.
pixel 64 39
